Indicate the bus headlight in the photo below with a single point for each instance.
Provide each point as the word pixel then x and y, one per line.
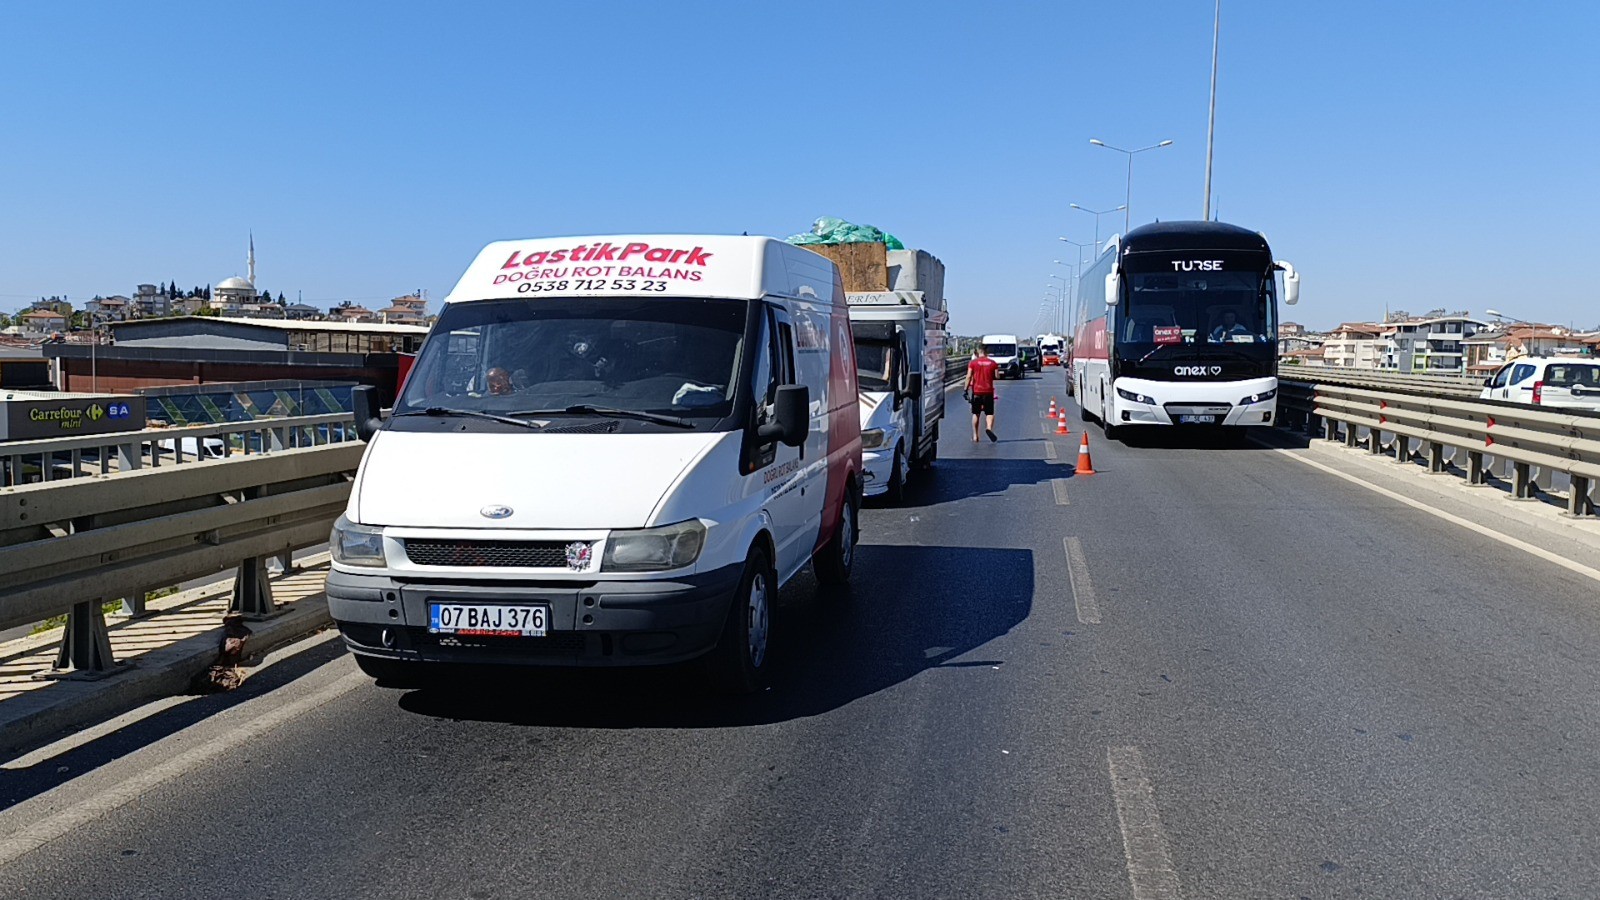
pixel 1136 398
pixel 872 438
pixel 654 549
pixel 1262 397
pixel 356 545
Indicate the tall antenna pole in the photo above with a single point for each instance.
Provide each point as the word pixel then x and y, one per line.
pixel 1211 127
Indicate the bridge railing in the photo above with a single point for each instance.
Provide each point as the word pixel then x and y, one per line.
pixel 1379 379
pixel 1469 435
pixel 955 368
pixel 73 545
pixel 53 459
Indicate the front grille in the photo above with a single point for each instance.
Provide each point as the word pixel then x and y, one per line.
pixel 496 554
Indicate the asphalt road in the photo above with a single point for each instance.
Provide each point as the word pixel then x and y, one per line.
pixel 1209 672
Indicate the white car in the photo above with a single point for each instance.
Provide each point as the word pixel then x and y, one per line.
pixel 1562 381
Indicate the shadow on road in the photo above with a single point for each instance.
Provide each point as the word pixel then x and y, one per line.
pixel 959 479
pixel 1202 438
pixel 919 608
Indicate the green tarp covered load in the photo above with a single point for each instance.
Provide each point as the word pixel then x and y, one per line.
pixel 829 230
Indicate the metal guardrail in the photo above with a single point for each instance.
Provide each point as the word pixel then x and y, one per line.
pixel 1527 437
pixel 53 459
pixel 1381 379
pixel 955 368
pixel 70 546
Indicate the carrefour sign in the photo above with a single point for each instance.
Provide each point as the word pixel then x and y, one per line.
pixel 39 417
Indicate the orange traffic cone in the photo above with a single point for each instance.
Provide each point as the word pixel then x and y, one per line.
pixel 1085 464
pixel 1052 407
pixel 1061 422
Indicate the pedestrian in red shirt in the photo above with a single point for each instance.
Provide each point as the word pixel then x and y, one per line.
pixel 980 390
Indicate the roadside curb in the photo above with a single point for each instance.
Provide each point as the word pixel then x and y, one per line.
pixel 37 716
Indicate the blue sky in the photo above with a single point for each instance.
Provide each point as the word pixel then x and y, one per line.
pixel 1415 155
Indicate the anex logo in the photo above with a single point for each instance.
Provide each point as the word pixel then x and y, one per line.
pixel 1197 371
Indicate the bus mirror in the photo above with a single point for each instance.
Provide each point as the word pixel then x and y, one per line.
pixel 1291 283
pixel 1111 288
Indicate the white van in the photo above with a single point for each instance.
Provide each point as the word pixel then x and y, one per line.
pixel 1002 348
pixel 1563 381
pixel 610 451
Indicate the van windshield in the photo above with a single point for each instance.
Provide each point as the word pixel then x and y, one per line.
pixel 674 356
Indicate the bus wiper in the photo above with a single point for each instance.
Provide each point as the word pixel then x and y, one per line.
pixel 584 409
pixel 469 413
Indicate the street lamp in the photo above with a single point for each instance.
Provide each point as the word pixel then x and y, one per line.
pixel 1127 214
pixel 1066 294
pixel 1097 213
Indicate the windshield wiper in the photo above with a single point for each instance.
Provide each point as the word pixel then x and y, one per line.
pixel 469 413
pixel 584 409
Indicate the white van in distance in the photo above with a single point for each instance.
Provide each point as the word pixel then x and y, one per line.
pixel 1571 382
pixel 1002 348
pixel 610 451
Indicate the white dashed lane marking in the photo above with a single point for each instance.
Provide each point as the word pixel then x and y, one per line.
pixel 1082 588
pixel 1150 870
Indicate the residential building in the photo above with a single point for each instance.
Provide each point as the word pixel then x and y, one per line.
pixel 409 310
pixel 40 322
pixel 350 313
pixel 301 311
pixel 110 309
pixel 1430 344
pixel 1486 350
pixel 150 301
pixel 1353 345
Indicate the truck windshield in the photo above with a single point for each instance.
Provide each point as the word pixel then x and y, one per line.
pixel 674 356
pixel 873 362
pixel 1198 308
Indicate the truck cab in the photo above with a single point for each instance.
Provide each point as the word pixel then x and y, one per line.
pixel 900 352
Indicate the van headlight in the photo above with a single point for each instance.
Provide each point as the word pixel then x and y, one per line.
pixel 871 438
pixel 356 545
pixel 1136 398
pixel 654 549
pixel 1262 397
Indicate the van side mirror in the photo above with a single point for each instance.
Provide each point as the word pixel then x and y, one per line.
pixel 792 421
pixel 364 402
pixel 1111 288
pixel 1291 283
pixel 914 385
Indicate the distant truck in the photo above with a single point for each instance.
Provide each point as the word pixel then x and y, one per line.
pixel 897 321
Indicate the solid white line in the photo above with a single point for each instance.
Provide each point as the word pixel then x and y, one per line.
pixel 1508 540
pixel 1060 486
pixel 1047 427
pixel 110 726
pixel 1082 588
pixel 1150 870
pixel 118 795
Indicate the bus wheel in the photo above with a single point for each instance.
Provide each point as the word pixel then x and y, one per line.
pixel 1109 429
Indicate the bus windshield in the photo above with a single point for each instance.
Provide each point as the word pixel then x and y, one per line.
pixel 1236 307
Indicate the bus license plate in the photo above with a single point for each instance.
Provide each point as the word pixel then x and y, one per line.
pixel 488 619
pixel 1197 420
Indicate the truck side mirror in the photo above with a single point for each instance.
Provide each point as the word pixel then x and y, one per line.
pixel 792 421
pixel 1111 288
pixel 914 385
pixel 363 401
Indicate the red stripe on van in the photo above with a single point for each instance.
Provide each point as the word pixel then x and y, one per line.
pixel 844 419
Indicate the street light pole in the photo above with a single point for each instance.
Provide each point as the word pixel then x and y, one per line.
pixel 1097 213
pixel 1211 125
pixel 1127 215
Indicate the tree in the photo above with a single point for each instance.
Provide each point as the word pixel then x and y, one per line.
pixel 208 292
pixel 281 300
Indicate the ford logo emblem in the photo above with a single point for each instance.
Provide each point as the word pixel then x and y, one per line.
pixel 495 512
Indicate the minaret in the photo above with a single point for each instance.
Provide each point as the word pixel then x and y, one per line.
pixel 250 261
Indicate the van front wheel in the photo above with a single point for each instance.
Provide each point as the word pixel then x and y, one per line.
pixel 834 561
pixel 738 664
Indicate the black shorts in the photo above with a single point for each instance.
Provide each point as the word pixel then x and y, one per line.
pixel 983 403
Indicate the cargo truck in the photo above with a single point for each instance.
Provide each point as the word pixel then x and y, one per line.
pixel 897 320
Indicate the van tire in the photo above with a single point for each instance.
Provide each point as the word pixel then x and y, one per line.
pixel 740 661
pixel 395 673
pixel 836 558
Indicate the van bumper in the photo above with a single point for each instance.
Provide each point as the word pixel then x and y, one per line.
pixel 602 623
